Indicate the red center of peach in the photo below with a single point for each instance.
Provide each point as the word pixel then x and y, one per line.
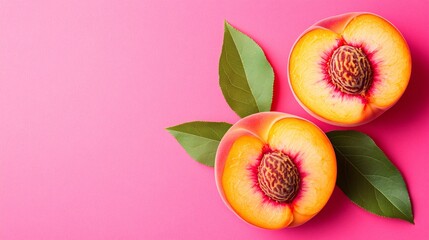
pixel 350 70
pixel 278 177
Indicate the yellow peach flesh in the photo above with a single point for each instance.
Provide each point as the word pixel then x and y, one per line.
pixel 390 60
pixel 241 150
pixel 239 188
pixel 308 79
pixel 313 150
pixel 391 57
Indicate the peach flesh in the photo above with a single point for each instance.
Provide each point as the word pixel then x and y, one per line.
pixel 306 167
pixel 360 97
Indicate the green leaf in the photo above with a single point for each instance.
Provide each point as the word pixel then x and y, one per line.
pixel 367 176
pixel 245 75
pixel 200 139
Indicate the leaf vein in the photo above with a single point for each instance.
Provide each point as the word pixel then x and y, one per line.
pixel 365 177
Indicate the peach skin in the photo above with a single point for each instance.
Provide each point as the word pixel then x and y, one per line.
pixel 275 170
pixel 348 69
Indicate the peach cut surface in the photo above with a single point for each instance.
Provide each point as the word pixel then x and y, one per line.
pixel 275 170
pixel 349 69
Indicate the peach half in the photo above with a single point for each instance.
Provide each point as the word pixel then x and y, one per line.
pixel 348 69
pixel 275 170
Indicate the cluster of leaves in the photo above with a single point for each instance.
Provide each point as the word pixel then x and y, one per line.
pixel 246 78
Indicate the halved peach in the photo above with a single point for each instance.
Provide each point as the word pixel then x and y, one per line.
pixel 275 170
pixel 349 69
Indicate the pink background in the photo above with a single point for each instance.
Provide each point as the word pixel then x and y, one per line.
pixel 87 88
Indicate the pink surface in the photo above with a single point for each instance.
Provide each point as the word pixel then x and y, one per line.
pixel 87 88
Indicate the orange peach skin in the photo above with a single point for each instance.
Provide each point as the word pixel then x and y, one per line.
pixel 390 57
pixel 240 148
